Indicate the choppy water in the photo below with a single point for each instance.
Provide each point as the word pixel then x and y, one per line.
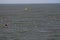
pixel 39 22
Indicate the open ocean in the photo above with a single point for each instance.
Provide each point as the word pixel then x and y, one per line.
pixel 29 21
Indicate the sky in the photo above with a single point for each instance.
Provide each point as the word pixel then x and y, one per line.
pixel 27 1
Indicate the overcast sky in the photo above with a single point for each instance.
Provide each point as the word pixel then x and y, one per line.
pixel 28 1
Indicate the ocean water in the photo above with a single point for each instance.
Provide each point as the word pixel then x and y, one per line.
pixel 38 22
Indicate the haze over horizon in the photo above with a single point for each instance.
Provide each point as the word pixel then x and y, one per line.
pixel 27 1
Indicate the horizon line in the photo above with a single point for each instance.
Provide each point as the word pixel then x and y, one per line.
pixel 29 3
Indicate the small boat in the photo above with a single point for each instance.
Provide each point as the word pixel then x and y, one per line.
pixel 26 9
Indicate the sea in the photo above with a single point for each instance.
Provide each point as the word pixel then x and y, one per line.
pixel 30 21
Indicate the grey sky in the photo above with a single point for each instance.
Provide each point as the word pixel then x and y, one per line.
pixel 28 1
